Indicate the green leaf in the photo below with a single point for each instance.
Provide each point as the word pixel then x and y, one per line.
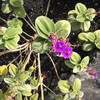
pixel 22 76
pixel 87 46
pixel 25 89
pixel 40 45
pixel 72 12
pixel 69 64
pixel 83 36
pixel 16 24
pixel 2 97
pixel 97 43
pixel 97 34
pixel 80 93
pixel 77 85
pixel 64 86
pixel 10 33
pixel 1 41
pixel 76 69
pixel 91 37
pixel 13 69
pixel 44 26
pixel 34 83
pixel 80 18
pixel 80 8
pixel 63 28
pixel 3 70
pixel 20 12
pixel 85 25
pixel 59 97
pixel 6 8
pixel 12 44
pixel 18 96
pixel 72 94
pixel 9 81
pixel 85 61
pixel 75 58
pixel 16 3
pixel 34 96
pixel 90 14
pixel 66 97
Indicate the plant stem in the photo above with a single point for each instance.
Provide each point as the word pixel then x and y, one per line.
pixel 26 61
pixel 49 89
pixel 41 85
pixel 30 25
pixel 54 66
pixel 3 20
pixel 48 6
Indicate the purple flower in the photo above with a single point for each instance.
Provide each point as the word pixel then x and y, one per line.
pixel 59 46
pixel 95 74
pixel 67 52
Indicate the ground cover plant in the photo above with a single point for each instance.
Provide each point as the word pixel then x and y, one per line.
pixel 25 82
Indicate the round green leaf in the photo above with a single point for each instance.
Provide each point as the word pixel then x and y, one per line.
pixel 85 25
pixel 90 14
pixel 40 45
pixel 76 69
pixel 44 26
pixel 75 58
pixel 91 37
pixel 87 46
pixel 22 76
pixel 20 12
pixel 16 3
pixel 77 85
pixel 97 34
pixel 69 64
pixel 34 96
pixel 85 61
pixel 9 81
pixel 64 86
pixel 10 33
pixel 12 44
pixel 6 8
pixel 80 18
pixel 83 36
pixel 80 93
pixel 13 69
pixel 80 8
pixel 97 43
pixel 63 28
pixel 72 94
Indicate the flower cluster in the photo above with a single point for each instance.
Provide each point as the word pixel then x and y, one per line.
pixel 61 46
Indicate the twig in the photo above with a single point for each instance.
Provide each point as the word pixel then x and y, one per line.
pixel 41 85
pixel 30 25
pixel 34 67
pixel 54 66
pixel 28 35
pixel 16 58
pixel 49 89
pixel 3 20
pixel 24 38
pixel 10 51
pixel 48 6
pixel 26 61
pixel 30 20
